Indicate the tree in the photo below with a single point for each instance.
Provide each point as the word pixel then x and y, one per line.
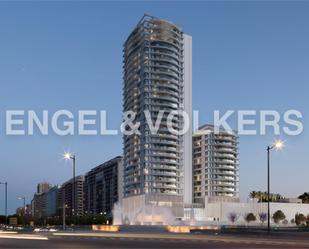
pixel 304 197
pixel 233 217
pixel 277 197
pixel 307 220
pixel 263 196
pixel 262 217
pixel 258 195
pixel 278 216
pixel 250 217
pixel 253 194
pixel 300 219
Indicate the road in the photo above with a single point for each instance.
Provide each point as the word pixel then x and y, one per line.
pixel 120 241
pixel 126 243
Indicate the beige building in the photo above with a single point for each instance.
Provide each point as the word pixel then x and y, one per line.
pixel 66 196
pixel 215 165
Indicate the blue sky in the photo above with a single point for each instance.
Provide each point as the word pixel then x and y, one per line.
pixel 68 55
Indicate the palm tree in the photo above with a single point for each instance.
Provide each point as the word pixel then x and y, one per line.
pixel 304 197
pixel 263 196
pixel 253 194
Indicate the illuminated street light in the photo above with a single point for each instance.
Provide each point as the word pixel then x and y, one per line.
pixel 278 145
pixel 24 200
pixel 24 211
pixel 69 156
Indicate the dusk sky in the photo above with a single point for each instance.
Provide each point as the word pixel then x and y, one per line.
pixel 68 55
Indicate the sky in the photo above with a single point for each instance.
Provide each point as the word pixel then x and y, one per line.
pixel 68 55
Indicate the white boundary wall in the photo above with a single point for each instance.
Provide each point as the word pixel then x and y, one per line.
pixel 221 211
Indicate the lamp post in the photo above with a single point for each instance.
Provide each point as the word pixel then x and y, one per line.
pixel 276 145
pixel 6 201
pixel 69 156
pixel 24 202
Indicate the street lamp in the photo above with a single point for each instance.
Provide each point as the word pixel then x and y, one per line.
pixel 278 145
pixel 24 202
pixel 6 201
pixel 69 156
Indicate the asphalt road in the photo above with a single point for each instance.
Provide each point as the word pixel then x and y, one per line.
pixel 80 242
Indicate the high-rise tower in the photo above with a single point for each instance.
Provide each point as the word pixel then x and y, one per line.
pixel 157 76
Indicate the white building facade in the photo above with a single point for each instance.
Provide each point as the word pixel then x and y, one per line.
pixel 157 168
pixel 215 165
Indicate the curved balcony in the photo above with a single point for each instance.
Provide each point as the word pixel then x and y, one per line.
pixel 167 85
pixel 165 173
pixel 174 94
pixel 164 57
pixel 153 53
